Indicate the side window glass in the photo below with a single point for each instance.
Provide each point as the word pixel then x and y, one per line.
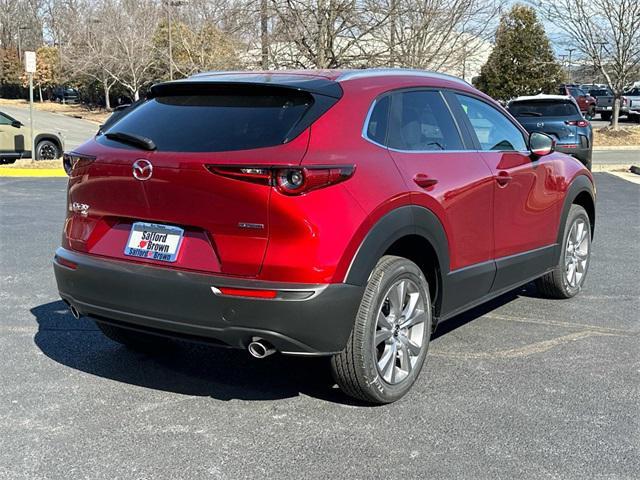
pixel 4 120
pixel 493 130
pixel 421 121
pixel 377 126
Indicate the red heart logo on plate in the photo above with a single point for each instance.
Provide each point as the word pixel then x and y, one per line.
pixel 143 243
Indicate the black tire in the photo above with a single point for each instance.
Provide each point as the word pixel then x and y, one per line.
pixel 47 150
pixel 134 340
pixel 356 369
pixel 556 283
pixel 606 116
pixel 590 113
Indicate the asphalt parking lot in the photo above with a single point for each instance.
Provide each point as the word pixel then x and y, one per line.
pixel 521 388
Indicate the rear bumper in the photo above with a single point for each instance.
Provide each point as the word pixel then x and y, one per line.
pixel 304 320
pixel 582 154
pixel 623 110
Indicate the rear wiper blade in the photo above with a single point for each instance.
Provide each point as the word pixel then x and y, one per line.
pixel 530 114
pixel 131 139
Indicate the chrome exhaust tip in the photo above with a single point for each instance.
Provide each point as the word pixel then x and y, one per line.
pixel 74 311
pixel 259 348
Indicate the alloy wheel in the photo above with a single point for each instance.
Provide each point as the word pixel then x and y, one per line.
pixel 576 253
pixel 47 152
pixel 399 334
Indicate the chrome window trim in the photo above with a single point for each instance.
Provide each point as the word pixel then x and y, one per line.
pixel 422 152
pixel 400 90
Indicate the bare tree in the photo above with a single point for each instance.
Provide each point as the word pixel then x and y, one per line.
pixel 132 24
pixel 325 33
pixel 607 32
pixel 438 34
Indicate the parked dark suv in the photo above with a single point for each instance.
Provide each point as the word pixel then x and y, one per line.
pixel 336 213
pixel 65 95
pixel 559 117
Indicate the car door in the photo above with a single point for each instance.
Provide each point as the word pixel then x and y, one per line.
pixel 526 207
pixel 445 176
pixel 7 145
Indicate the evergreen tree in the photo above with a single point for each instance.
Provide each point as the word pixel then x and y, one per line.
pixel 522 62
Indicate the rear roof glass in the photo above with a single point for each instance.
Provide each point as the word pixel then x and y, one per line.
pixel 221 120
pixel 542 108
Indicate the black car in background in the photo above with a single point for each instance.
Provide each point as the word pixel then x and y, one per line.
pixel 65 95
pixel 558 116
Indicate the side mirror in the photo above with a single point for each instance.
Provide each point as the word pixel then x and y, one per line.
pixel 16 124
pixel 541 144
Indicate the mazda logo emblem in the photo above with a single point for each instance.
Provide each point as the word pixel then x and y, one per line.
pixel 540 124
pixel 142 169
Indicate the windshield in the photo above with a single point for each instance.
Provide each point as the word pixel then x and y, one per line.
pixel 231 119
pixel 540 108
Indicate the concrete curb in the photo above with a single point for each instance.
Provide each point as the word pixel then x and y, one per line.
pixel 631 148
pixel 32 172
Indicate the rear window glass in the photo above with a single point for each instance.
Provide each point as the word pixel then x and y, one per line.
pixel 420 121
pixel 600 92
pixel 543 109
pixel 237 119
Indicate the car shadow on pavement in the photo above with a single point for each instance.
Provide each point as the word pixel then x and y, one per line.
pixel 185 368
pixel 199 369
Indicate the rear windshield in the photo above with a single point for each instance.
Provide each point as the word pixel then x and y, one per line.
pixel 236 119
pixel 543 109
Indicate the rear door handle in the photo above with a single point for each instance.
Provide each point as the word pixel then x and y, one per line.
pixel 503 178
pixel 423 180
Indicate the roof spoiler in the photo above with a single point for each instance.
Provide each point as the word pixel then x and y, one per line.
pixel 201 83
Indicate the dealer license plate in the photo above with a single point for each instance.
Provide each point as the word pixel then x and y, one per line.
pixel 154 241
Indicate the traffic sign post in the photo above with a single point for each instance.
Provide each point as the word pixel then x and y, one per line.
pixel 30 69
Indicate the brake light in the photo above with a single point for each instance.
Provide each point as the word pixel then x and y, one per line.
pixel 75 160
pixel 288 180
pixel 577 123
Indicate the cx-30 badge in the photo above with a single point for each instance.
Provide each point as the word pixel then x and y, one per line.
pixel 142 169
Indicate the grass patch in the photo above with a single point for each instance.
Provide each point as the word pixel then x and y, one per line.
pixel 623 136
pixel 40 164
pixel 98 115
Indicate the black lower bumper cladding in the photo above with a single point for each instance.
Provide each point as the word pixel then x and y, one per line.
pixel 188 305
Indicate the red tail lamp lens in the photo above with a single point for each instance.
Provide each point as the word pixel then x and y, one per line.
pixel 75 160
pixel 577 123
pixel 259 175
pixel 290 180
pixel 296 181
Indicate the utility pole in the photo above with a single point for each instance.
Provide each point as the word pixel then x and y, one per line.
pixel 30 69
pixel 169 4
pixel 170 41
pixel 264 34
pixel 570 50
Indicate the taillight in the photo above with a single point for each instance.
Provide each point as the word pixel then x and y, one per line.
pixel 75 160
pixel 577 123
pixel 288 180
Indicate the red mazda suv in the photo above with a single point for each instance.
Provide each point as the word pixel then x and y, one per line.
pixel 336 213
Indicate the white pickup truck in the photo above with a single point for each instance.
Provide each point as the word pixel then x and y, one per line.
pixel 633 97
